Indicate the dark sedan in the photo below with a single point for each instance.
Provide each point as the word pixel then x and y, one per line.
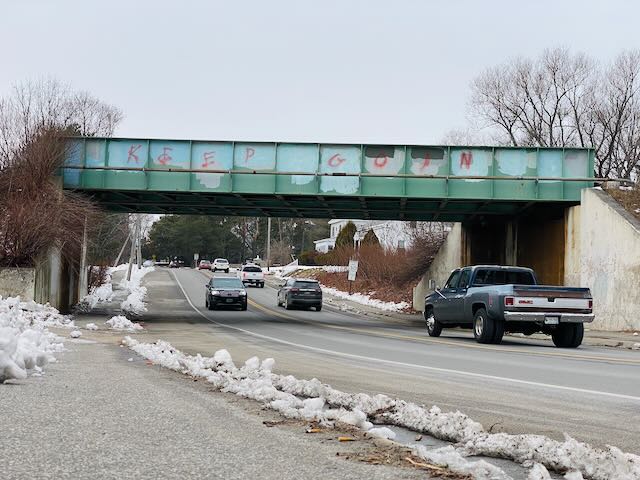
pixel 300 292
pixel 225 292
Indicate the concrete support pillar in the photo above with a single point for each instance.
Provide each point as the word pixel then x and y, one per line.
pixel 511 243
pixel 83 280
pixel 55 276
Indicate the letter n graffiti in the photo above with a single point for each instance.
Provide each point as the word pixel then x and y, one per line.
pixel 466 160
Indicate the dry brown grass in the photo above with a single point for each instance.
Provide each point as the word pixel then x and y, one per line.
pixel 387 275
pixel 629 199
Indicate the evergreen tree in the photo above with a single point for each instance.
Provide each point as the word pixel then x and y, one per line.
pixel 345 237
pixel 371 238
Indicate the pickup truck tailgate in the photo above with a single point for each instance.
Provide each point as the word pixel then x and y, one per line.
pixel 551 299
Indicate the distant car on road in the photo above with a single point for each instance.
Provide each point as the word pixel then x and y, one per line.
pixel 174 264
pixel 300 292
pixel 148 263
pixel 204 265
pixel 221 264
pixel 225 291
pixel 251 275
pixel 494 299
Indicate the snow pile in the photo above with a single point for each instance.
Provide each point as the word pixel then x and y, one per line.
pixel 26 345
pixel 134 303
pixel 75 334
pixel 313 400
pixel 91 326
pixel 120 322
pixel 366 300
pixel 101 294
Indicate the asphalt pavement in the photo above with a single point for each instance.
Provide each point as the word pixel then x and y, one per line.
pixel 520 386
pixel 96 415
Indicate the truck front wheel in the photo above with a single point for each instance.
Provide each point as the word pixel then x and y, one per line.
pixel 568 335
pixel 485 328
pixel 434 327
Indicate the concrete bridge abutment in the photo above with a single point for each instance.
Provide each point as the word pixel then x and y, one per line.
pixel 595 244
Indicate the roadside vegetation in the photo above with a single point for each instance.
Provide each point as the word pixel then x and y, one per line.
pixel 383 274
pixel 35 213
pixel 629 198
pixel 234 238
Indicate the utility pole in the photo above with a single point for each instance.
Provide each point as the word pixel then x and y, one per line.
pixel 115 264
pixel 132 253
pixel 139 240
pixel 268 243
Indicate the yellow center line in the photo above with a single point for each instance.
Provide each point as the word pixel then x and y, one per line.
pixel 398 336
pixel 378 333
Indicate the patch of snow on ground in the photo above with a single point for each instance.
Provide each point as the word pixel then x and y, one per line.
pixel 313 400
pixel 26 345
pixel 366 300
pixel 134 303
pixel 75 334
pixel 635 346
pixel 382 432
pixel 91 326
pixel 120 322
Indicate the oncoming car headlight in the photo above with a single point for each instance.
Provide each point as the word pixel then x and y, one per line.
pixel 243 293
pixel 215 292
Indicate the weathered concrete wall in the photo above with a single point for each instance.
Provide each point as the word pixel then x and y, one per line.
pixel 18 282
pixel 448 258
pixel 603 253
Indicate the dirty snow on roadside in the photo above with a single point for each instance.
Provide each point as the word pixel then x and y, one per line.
pixel 120 322
pixel 366 300
pixel 26 345
pixel 313 400
pixel 100 294
pixel 134 303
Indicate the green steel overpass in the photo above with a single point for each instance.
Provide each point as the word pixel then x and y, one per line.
pixel 395 182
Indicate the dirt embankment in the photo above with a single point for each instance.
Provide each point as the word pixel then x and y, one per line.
pixel 628 198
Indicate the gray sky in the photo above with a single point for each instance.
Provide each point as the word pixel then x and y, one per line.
pixel 331 71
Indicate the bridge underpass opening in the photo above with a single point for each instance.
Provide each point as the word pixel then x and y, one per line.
pixel 511 200
pixel 535 241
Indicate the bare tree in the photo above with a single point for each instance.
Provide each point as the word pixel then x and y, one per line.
pixel 35 214
pixel 563 100
pixel 34 106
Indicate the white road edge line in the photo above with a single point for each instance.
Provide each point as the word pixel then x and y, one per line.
pixel 403 364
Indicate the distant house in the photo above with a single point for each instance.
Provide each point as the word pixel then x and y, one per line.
pixel 392 234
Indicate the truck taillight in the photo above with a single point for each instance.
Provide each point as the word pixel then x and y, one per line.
pixel 508 301
pixel 590 304
pixel 295 289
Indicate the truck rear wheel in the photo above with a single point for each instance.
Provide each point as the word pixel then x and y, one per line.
pixel 484 327
pixel 568 335
pixel 434 327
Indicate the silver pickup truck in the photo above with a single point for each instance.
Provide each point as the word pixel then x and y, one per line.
pixel 494 299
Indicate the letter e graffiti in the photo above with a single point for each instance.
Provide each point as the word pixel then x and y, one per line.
pixel 249 154
pixel 164 158
pixel 466 160
pixel 381 161
pixel 132 153
pixel 208 159
pixel 335 161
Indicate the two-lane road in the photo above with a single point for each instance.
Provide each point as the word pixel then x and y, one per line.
pixel 520 386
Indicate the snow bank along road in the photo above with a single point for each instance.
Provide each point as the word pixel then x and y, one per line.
pixel 522 386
